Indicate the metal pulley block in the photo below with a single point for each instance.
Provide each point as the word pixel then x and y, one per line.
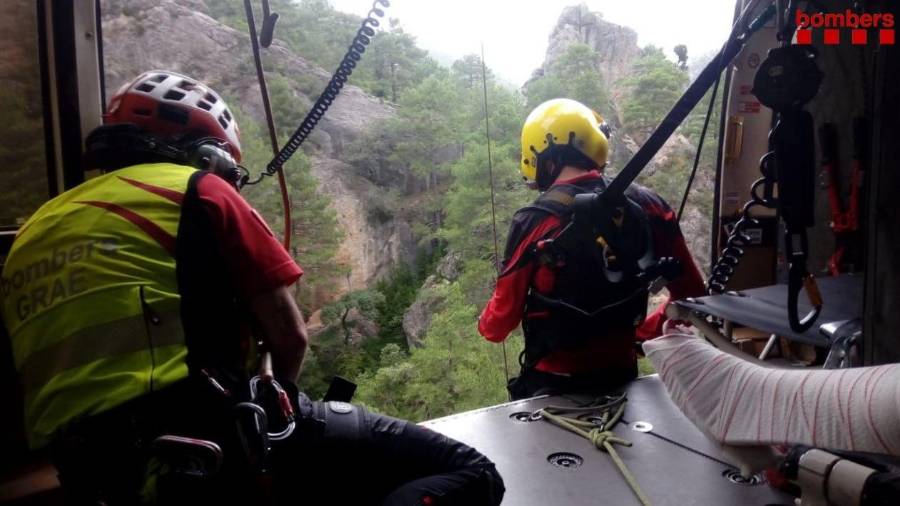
pixel 788 78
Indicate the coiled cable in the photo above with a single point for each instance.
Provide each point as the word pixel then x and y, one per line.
pixel 739 238
pixel 354 54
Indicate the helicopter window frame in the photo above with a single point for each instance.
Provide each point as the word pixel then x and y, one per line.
pixel 72 87
pixel 74 83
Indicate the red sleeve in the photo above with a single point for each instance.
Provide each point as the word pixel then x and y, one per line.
pixel 690 283
pixel 652 326
pixel 250 249
pixel 504 310
pixel 668 241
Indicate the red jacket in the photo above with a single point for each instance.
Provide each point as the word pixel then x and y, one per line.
pixel 503 312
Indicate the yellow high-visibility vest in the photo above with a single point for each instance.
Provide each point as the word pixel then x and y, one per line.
pixel 90 297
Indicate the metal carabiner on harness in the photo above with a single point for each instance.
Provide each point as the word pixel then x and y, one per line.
pixel 284 402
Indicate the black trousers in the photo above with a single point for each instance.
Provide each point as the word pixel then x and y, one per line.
pixel 338 454
pixel 531 382
pixel 360 457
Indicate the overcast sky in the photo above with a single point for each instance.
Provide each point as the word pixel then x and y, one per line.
pixel 515 32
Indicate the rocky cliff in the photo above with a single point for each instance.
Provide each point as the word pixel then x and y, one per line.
pixel 372 246
pixel 180 35
pixel 616 45
pixel 417 318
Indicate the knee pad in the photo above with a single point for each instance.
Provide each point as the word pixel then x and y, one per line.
pixel 342 420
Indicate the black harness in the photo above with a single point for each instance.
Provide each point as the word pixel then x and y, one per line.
pixel 599 261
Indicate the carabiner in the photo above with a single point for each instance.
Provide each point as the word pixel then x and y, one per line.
pixel 799 277
pixel 284 402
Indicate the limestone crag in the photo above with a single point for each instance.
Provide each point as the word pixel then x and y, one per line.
pixel 617 49
pixel 373 247
pixel 616 45
pixel 624 146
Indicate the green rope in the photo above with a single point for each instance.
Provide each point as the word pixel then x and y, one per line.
pixel 600 435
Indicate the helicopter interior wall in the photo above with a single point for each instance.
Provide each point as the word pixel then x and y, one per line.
pixel 861 81
pixel 846 88
pixel 883 245
pixel 53 47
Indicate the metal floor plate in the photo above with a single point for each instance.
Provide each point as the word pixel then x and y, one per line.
pixel 668 473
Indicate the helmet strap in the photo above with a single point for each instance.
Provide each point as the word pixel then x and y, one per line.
pixel 550 156
pixel 548 169
pixel 112 147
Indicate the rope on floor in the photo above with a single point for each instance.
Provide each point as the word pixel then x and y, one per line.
pixel 598 430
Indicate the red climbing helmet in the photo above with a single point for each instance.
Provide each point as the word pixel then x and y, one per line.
pixel 168 104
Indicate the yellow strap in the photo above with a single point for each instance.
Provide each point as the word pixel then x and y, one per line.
pixel 812 290
pixel 559 196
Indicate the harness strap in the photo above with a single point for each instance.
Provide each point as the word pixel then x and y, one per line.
pixel 581 312
pixel 559 198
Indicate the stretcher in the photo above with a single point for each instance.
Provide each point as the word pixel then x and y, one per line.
pixel 765 309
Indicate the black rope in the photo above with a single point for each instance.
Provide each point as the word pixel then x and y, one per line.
pixel 487 131
pixel 686 447
pixel 690 183
pixel 685 104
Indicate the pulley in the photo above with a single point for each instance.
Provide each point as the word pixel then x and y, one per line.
pixel 788 78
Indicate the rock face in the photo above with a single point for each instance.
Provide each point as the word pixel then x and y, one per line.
pixel 417 318
pixel 178 35
pixel 616 45
pixel 372 246
pixel 624 146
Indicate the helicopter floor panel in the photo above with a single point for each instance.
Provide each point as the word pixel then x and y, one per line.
pixel 765 308
pixel 674 463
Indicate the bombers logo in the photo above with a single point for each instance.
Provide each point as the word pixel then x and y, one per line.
pixel 834 23
pixel 50 279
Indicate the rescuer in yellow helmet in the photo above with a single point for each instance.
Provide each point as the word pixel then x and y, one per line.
pixel 560 131
pixel 580 319
pixel 129 302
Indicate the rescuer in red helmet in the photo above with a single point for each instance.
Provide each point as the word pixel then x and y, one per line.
pixel 129 302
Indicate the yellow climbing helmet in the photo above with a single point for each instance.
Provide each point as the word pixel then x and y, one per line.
pixel 557 123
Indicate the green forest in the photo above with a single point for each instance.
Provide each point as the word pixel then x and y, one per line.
pixel 439 110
